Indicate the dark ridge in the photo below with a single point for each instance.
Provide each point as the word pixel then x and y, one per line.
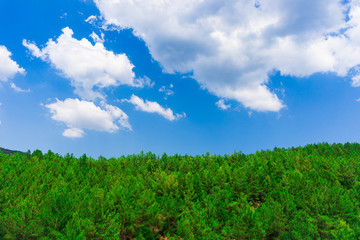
pixel 7 151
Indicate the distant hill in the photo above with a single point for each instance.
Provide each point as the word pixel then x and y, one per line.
pixel 7 151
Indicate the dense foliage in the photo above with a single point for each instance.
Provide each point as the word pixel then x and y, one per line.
pixel 307 192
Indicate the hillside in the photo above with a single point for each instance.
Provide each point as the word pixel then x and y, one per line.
pixel 306 192
pixel 7 151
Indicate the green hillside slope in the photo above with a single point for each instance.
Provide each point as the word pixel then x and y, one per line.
pixel 309 192
pixel 7 151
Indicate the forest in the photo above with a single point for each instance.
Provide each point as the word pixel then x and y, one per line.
pixel 309 192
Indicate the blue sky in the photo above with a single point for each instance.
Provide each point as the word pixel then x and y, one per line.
pixel 189 77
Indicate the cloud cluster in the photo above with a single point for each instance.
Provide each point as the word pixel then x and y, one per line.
pixel 91 68
pixel 153 107
pixel 80 114
pixel 8 67
pixel 232 46
pixel 88 66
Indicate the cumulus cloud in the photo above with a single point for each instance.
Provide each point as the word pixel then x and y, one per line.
pixel 154 107
pixel 78 115
pixel 88 66
pixel 221 105
pixel 232 46
pixel 8 67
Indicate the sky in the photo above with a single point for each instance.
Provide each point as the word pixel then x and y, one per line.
pixel 117 77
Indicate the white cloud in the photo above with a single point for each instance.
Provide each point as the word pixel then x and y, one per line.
pixel 78 115
pixel 8 67
pixel 221 105
pixel 232 46
pixel 18 89
pixel 92 19
pixel 63 16
pixel 154 107
pixel 73 133
pixel 145 81
pixel 96 37
pixel 34 50
pixel 88 66
pixel 355 81
pixel 168 91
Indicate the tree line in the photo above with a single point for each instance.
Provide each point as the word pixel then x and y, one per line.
pixel 309 192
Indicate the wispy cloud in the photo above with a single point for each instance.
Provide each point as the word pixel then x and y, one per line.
pixel 18 89
pixel 96 37
pixel 221 105
pixel 168 91
pixel 153 107
pixel 91 19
